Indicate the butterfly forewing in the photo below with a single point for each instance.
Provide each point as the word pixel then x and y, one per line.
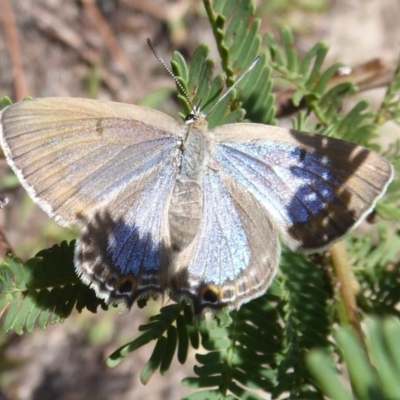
pixel 83 152
pixel 110 168
pixel 315 188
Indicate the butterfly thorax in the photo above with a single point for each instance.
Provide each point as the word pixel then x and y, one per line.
pixel 186 205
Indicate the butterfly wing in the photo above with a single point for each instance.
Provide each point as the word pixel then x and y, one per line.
pixel 123 249
pixel 315 188
pixel 95 162
pixel 73 154
pixel 235 253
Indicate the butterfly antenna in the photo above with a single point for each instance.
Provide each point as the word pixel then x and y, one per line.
pixel 242 75
pixel 164 64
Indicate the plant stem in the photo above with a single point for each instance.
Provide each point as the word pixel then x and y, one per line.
pixel 348 287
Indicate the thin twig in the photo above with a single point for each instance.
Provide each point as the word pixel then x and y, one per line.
pixel 348 287
pixel 108 37
pixel 50 23
pixel 373 74
pixel 11 33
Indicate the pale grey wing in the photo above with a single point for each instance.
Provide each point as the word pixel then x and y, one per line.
pixel 235 253
pixel 315 188
pixel 72 155
pixel 99 163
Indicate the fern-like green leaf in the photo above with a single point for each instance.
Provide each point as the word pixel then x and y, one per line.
pixel 43 290
pixel 238 41
pixel 305 310
pixel 390 106
pixel 312 85
pixel 377 274
pixel 235 364
pixel 170 330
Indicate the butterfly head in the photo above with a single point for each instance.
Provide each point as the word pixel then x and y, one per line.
pixel 196 118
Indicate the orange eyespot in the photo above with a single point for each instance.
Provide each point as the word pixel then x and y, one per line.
pixel 126 285
pixel 210 294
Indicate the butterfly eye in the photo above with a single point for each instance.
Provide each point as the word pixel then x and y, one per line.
pixel 190 118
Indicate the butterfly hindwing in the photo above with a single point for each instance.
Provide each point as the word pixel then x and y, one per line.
pixel 123 250
pixel 236 252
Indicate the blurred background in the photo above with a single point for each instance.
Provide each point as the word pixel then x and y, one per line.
pixel 98 49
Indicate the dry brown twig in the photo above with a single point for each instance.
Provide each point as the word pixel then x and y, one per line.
pixel 11 33
pixel 108 36
pixel 367 76
pixel 50 23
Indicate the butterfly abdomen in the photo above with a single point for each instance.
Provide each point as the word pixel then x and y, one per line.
pixel 185 210
pixel 184 213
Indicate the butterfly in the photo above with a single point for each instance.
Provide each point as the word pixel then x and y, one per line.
pixel 174 207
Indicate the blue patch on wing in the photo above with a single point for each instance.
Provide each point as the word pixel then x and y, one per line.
pixel 136 242
pixel 291 183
